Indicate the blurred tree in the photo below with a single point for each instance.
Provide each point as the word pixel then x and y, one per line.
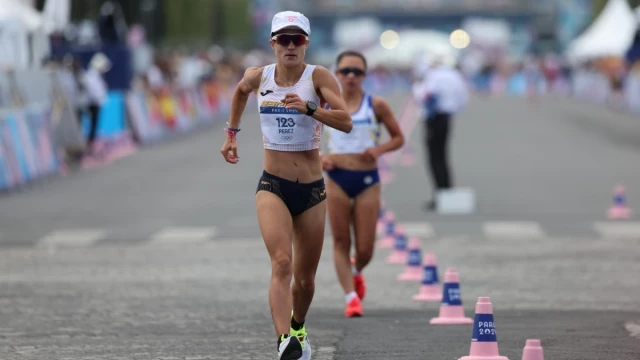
pixel 188 22
pixel 238 30
pixel 180 22
pixel 201 22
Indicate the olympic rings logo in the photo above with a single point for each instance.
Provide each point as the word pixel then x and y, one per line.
pixel 286 138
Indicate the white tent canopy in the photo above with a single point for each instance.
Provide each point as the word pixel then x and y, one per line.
pixel 23 35
pixel 13 42
pixel 29 16
pixel 58 12
pixel 610 34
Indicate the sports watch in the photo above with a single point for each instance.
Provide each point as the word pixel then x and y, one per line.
pixel 311 108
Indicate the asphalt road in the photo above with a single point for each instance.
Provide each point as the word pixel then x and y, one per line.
pixel 158 256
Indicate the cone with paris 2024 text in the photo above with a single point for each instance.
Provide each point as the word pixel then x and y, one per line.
pixel 413 269
pixel 384 171
pixel 532 350
pixel 389 240
pixel 386 224
pixel 429 287
pixel 451 310
pixel 484 342
pixel 619 209
pixel 407 157
pixel 399 252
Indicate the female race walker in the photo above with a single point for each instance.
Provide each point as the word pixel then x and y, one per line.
pixel 353 186
pixel 289 197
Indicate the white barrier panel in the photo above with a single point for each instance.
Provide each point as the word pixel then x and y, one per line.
pixel 456 201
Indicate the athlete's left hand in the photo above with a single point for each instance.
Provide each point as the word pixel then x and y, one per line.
pixel 293 101
pixel 371 154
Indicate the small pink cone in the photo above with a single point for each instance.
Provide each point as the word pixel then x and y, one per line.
pixel 399 254
pixel 64 170
pixel 121 152
pixel 383 163
pixel 484 342
pixel 383 218
pixel 92 162
pixel 412 270
pixel 386 177
pixel 451 310
pixel 619 209
pixel 392 231
pixel 429 287
pixel 532 350
pixel 407 157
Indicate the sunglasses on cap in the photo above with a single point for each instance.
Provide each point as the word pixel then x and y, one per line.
pixel 286 39
pixel 347 70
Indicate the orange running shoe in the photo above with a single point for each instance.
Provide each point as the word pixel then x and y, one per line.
pixel 359 286
pixel 353 308
pixel 358 283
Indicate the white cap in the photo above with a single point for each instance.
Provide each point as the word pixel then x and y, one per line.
pixel 286 19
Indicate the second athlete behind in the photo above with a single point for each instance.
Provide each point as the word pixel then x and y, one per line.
pixel 353 183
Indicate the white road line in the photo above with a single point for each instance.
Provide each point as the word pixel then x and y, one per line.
pixel 618 230
pixel 72 238
pixel 513 230
pixel 633 327
pixel 423 229
pixel 325 353
pixel 183 235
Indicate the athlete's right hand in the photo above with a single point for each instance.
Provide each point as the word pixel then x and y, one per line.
pixel 230 151
pixel 327 164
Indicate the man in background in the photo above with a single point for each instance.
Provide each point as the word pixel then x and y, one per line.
pixel 93 95
pixel 443 92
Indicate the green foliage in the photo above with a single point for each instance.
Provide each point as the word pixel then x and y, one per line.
pixel 201 22
pixel 187 21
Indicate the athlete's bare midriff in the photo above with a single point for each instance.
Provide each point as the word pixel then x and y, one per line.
pixel 301 166
pixel 352 162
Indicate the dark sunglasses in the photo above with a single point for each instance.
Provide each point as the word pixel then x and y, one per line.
pixel 346 71
pixel 286 39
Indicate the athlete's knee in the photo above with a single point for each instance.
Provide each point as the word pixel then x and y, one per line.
pixel 306 282
pixel 364 255
pixel 342 242
pixel 281 267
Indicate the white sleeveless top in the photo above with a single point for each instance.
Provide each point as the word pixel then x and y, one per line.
pixel 365 132
pixel 287 129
